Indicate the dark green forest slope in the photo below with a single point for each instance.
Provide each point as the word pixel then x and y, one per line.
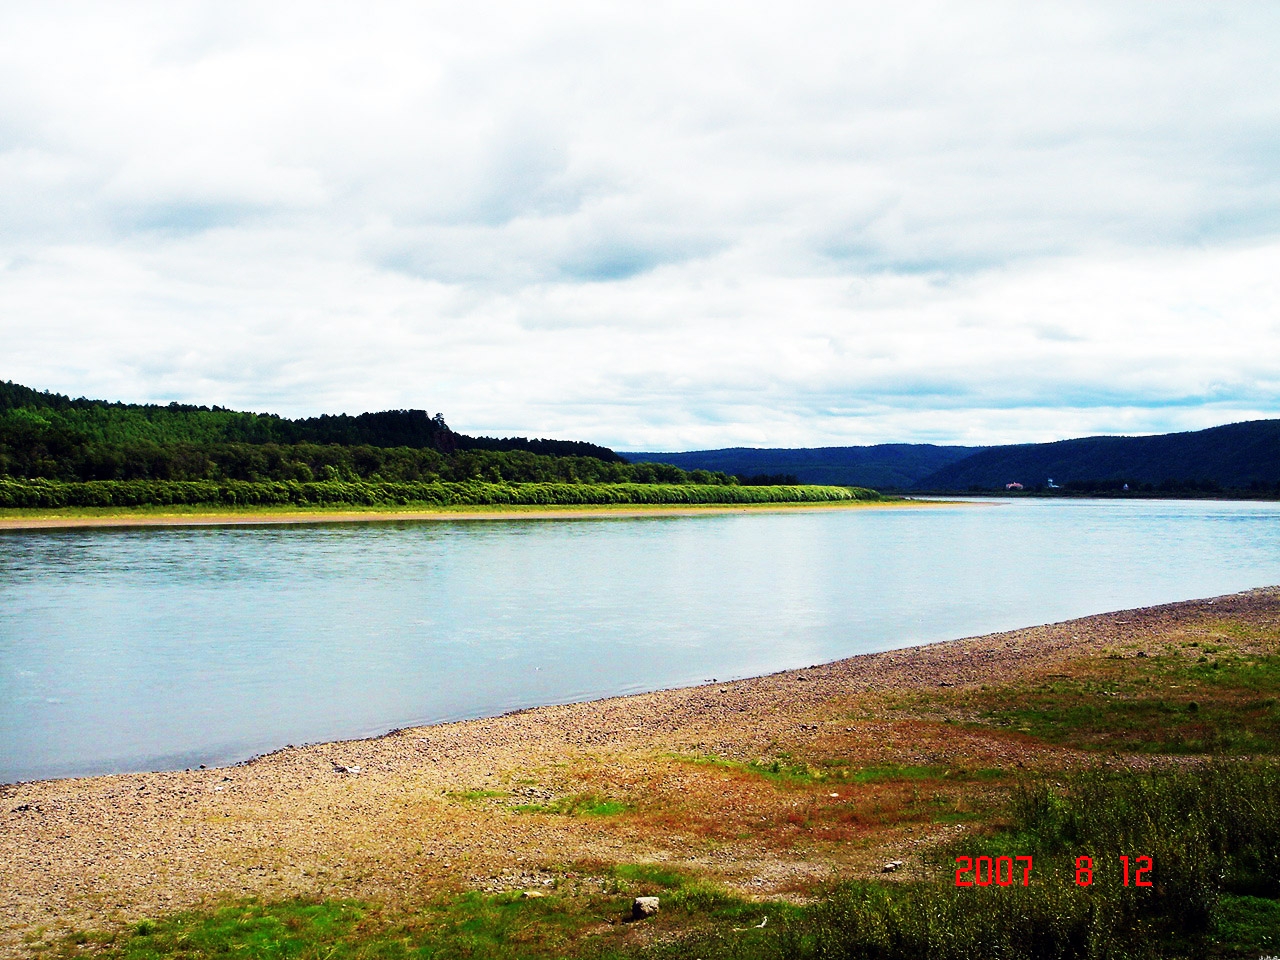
pixel 46 435
pixel 1239 458
pixel 1236 457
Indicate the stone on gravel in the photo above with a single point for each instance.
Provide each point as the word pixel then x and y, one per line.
pixel 643 907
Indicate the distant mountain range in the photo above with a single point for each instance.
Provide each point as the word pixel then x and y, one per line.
pixel 886 466
pixel 1239 456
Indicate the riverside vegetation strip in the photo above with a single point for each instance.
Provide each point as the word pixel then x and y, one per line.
pixel 50 494
pixel 733 801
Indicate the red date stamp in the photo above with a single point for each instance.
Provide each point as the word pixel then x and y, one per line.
pixel 1003 871
pixel 986 871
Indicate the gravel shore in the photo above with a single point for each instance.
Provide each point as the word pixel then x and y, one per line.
pixel 448 807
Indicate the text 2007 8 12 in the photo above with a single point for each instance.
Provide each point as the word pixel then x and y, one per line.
pixel 1003 871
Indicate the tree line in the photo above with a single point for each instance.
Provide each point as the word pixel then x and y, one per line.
pixel 76 459
pixel 104 421
pixel 50 436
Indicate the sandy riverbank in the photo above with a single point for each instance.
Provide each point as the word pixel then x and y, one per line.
pixel 158 517
pixel 480 804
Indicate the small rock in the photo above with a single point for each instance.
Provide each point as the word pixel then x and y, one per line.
pixel 531 894
pixel 891 866
pixel 339 768
pixel 643 907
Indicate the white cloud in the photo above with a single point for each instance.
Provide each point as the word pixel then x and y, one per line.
pixel 654 226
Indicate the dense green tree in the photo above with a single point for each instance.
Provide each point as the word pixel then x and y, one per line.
pixel 53 437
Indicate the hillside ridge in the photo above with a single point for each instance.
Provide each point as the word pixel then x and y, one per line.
pixel 1234 456
pixel 1238 456
pixel 182 422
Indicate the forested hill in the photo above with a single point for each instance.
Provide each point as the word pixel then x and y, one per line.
pixel 886 466
pixel 107 422
pixel 1241 457
pixel 1238 456
pixel 55 437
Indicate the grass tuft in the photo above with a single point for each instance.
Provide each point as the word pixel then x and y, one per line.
pixel 578 805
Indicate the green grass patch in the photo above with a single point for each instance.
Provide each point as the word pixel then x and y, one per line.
pixel 692 900
pixel 782 769
pixel 653 875
pixel 471 925
pixel 505 926
pixel 467 926
pixel 1244 925
pixel 895 772
pixel 785 769
pixel 1172 703
pixel 273 931
pixel 474 795
pixel 578 805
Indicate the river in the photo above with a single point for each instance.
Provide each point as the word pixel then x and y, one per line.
pixel 160 648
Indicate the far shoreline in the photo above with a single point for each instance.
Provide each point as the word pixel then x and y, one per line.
pixel 20 519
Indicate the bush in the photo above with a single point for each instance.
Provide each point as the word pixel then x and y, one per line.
pixel 238 493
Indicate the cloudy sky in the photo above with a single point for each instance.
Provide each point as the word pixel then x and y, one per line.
pixel 653 226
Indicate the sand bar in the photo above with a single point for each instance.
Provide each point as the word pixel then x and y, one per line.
pixel 53 520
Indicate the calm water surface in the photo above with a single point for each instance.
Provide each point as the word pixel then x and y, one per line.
pixel 126 650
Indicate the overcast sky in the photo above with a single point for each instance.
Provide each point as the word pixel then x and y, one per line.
pixel 653 226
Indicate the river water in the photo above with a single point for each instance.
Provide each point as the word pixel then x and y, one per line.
pixel 161 648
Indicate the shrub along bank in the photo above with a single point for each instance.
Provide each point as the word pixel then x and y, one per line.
pixel 51 494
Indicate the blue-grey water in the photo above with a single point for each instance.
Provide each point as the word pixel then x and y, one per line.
pixel 153 648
